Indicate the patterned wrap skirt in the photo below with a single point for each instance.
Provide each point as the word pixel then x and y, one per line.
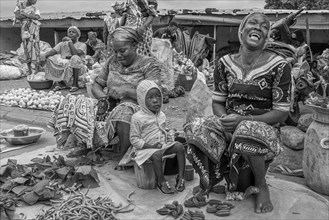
pixel 215 157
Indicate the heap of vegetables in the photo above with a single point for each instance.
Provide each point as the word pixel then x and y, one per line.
pixel 29 98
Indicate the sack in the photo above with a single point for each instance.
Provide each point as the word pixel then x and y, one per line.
pixel 9 72
pixel 162 50
pixel 200 99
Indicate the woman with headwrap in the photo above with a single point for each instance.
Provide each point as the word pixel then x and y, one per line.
pixel 140 14
pixel 115 89
pixel 97 45
pixel 251 98
pixel 65 62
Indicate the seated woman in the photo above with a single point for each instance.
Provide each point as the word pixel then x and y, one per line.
pixel 97 45
pixel 68 63
pixel 87 119
pixel 250 100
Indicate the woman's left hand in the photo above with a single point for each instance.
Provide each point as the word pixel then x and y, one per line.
pixel 231 121
pixel 117 92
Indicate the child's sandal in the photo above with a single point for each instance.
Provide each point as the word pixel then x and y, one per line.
pixel 165 188
pixel 180 184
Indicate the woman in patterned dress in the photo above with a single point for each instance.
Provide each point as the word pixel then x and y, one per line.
pixel 251 98
pixel 115 90
pixel 140 14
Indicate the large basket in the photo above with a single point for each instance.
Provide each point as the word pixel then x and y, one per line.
pixel 186 81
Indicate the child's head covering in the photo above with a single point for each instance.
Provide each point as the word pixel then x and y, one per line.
pixel 76 29
pixel 142 89
pixel 243 24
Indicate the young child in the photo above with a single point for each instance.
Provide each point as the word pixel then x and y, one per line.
pixel 149 138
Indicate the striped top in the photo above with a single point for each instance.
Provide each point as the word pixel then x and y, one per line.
pixel 263 89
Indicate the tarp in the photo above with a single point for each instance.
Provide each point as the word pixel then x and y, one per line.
pixel 290 200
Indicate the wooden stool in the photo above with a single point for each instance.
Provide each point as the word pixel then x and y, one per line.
pixel 145 175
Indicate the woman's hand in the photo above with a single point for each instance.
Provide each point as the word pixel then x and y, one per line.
pixel 230 122
pixel 117 92
pixel 157 145
pixel 66 38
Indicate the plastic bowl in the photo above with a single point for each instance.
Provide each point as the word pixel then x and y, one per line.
pixel 38 85
pixel 34 135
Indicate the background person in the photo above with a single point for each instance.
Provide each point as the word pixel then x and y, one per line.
pixel 168 33
pixel 28 15
pixel 250 100
pixel 69 63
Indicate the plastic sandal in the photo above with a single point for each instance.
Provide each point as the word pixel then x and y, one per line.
pixel 180 184
pixel 74 89
pixel 165 188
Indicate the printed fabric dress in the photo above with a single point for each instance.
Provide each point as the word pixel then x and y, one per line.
pixel 212 153
pixel 139 10
pixel 78 115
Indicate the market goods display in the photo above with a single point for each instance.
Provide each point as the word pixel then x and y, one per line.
pixel 29 98
pixel 175 209
pixel 315 99
pixel 80 206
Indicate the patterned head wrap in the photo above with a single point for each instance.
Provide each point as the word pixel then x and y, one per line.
pixel 142 89
pixel 125 34
pixel 243 24
pixel 76 29
pixel 92 34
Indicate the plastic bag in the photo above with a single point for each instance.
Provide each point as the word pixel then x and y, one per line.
pixel 10 72
pixel 200 99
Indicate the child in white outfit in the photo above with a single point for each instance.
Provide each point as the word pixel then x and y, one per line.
pixel 149 138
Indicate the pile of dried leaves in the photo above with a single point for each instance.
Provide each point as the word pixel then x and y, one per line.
pixel 44 179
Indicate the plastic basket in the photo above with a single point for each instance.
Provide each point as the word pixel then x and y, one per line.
pixel 186 81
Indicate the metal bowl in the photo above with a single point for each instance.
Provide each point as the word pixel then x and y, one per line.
pixel 38 85
pixel 34 135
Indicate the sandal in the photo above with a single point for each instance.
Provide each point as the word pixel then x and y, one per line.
pixel 74 89
pixel 58 88
pixel 180 184
pixel 165 188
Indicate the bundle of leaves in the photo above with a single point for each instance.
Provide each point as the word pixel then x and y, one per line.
pixel 44 178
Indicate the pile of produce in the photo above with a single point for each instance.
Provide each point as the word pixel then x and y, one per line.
pixel 45 179
pixel 29 98
pixel 80 206
pixel 175 209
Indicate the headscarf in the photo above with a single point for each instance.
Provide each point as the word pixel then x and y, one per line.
pixel 243 24
pixel 142 89
pixel 125 33
pixel 92 34
pixel 76 29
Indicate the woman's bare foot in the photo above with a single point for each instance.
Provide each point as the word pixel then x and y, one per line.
pixel 251 190
pixel 263 202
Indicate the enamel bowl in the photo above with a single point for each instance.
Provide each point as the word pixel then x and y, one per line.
pixel 34 135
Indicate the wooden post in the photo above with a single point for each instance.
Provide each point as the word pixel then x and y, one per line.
pixel 214 47
pixel 308 37
pixel 56 37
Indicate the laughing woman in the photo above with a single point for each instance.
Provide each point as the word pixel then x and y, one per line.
pixel 251 98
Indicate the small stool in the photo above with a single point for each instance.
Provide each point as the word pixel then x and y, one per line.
pixel 145 175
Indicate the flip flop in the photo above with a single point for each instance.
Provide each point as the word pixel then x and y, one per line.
pixel 57 88
pixel 74 89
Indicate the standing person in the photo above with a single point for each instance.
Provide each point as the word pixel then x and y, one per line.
pixel 250 100
pixel 168 33
pixel 149 138
pixel 140 14
pixel 69 63
pixel 28 15
pixel 115 100
pixel 111 22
